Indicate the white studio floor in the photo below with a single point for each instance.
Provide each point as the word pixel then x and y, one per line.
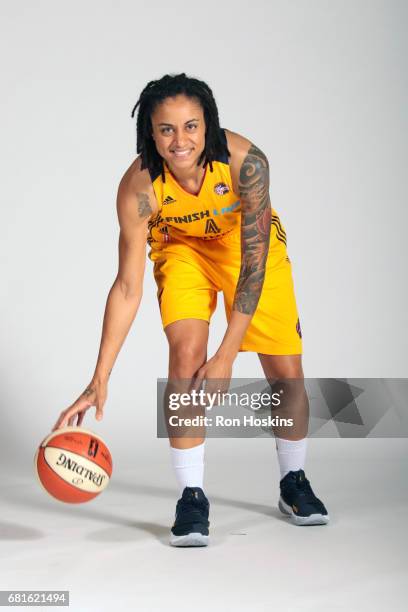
pixel 112 553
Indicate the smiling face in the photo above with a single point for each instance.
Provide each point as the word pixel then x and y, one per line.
pixel 179 131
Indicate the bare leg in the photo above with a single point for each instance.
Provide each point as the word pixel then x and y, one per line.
pixel 295 404
pixel 188 340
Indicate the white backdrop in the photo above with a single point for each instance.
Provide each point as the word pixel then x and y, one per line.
pixel 320 86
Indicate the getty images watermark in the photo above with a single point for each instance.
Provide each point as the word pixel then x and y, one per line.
pixel 177 401
pixel 317 407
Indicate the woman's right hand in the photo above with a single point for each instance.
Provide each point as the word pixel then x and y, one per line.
pixel 94 395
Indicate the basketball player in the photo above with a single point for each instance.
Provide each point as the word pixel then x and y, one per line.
pixel 198 195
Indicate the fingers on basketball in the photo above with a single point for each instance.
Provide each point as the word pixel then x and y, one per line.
pixel 67 416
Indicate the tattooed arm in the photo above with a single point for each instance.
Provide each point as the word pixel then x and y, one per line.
pixel 255 229
pixel 250 177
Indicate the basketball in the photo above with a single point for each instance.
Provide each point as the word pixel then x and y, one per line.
pixel 74 465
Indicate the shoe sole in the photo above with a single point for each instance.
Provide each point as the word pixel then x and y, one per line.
pixel 313 519
pixel 190 539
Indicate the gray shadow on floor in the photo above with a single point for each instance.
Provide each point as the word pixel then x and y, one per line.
pixel 171 493
pixel 91 513
pixel 12 531
pixel 129 532
pixel 121 534
pixel 124 529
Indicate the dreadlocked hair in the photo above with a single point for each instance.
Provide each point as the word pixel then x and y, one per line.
pixel 167 87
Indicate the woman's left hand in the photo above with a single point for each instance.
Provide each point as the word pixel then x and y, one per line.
pixel 217 372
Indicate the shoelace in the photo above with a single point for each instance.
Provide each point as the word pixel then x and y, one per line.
pixel 305 489
pixel 191 508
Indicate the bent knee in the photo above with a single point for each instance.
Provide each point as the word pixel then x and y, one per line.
pixel 282 366
pixel 186 357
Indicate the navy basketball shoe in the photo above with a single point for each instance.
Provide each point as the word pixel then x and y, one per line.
pixel 299 502
pixel 191 524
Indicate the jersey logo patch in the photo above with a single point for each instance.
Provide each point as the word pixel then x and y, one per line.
pixel 169 200
pixel 211 227
pixel 221 188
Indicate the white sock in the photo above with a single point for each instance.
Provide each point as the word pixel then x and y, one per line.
pixel 291 455
pixel 188 464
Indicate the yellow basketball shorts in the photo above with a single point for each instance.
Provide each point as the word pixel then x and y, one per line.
pixel 190 272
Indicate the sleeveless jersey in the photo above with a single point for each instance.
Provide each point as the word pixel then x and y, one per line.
pixel 212 213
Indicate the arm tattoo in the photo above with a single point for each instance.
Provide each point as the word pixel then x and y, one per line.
pixel 255 229
pixel 143 205
pixel 88 391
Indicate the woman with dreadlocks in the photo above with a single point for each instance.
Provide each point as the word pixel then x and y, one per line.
pixel 198 195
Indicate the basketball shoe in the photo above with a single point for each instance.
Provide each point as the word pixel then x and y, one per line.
pixel 191 523
pixel 298 501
